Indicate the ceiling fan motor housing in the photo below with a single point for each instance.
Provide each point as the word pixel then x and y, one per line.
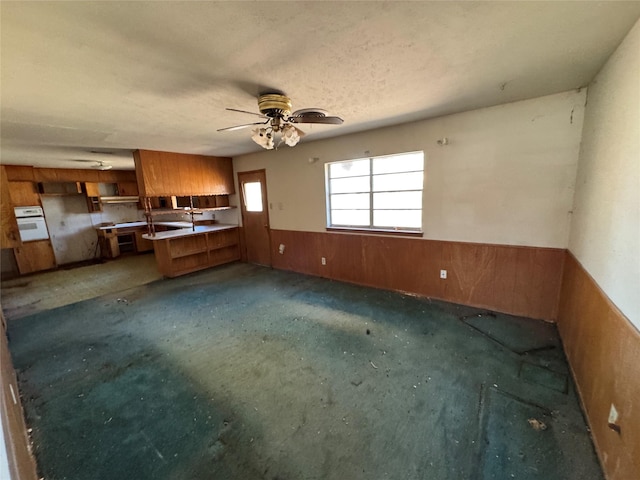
pixel 274 105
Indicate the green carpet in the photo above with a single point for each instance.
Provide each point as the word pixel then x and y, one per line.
pixel 244 372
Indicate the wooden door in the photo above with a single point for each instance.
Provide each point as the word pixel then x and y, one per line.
pixel 255 216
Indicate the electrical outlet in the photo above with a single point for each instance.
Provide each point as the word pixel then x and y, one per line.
pixel 613 420
pixel 443 274
pixel 613 414
pixel 324 261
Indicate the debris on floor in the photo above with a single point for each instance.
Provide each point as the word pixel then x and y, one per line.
pixel 537 424
pixel 252 379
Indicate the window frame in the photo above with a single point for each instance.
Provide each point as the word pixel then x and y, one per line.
pixel 371 228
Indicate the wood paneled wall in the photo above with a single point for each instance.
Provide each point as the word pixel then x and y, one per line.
pixel 9 232
pixel 511 279
pixel 603 349
pixel 22 465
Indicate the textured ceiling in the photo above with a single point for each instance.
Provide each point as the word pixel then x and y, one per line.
pixel 95 80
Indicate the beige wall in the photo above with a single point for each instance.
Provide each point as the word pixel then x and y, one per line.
pixel 605 235
pixel 507 176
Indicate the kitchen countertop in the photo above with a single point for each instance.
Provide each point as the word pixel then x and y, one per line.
pixel 185 232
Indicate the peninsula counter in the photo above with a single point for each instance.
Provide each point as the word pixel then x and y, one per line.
pixel 186 250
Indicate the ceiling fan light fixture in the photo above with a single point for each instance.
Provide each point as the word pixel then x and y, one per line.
pixel 263 137
pixel 276 109
pixel 291 135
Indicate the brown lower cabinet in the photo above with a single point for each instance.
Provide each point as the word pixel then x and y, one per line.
pixel 35 256
pixel 142 244
pixel 117 241
pixel 181 255
pixel 108 242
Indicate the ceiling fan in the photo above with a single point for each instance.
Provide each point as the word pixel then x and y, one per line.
pixel 275 110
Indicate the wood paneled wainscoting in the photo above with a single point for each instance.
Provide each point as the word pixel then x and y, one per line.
pixel 22 464
pixel 511 279
pixel 603 349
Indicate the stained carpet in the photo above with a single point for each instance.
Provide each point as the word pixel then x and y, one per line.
pixel 243 372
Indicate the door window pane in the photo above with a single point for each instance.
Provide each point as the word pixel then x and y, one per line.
pixel 253 196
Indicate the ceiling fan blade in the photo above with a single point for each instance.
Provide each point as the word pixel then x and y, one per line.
pixel 316 119
pixel 238 127
pixel 244 111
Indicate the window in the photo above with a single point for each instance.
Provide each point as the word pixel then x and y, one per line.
pixel 253 196
pixel 379 193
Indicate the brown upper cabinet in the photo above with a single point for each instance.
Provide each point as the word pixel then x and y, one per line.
pixel 47 175
pixel 92 192
pixel 91 189
pixel 166 174
pixel 19 173
pixel 127 189
pixel 123 189
pixel 22 173
pixel 116 176
pixel 52 175
pixel 24 194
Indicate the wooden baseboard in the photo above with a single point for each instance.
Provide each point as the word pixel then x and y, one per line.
pixel 512 279
pixel 603 349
